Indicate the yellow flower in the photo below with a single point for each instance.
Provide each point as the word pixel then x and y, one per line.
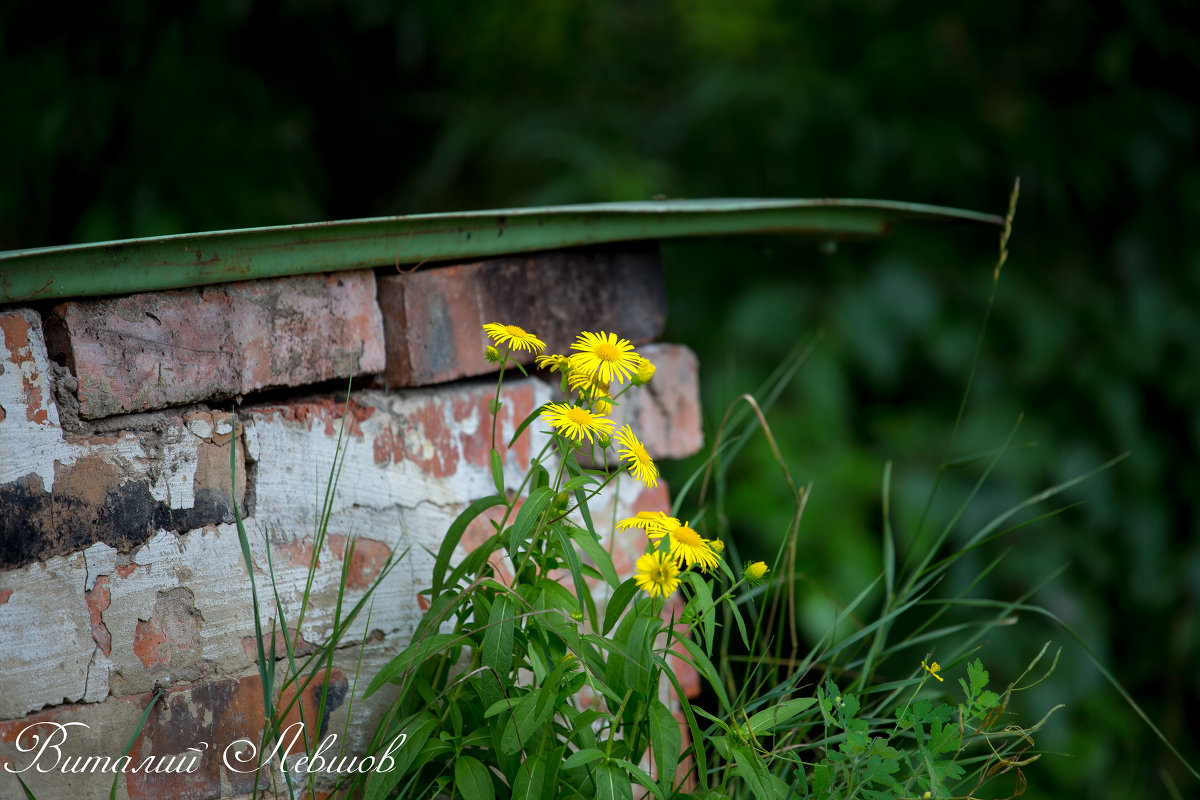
pixel 517 338
pixel 554 363
pixel 689 548
pixel 586 383
pixel 641 465
pixel 657 575
pixel 717 545
pixel 933 669
pixel 645 372
pixel 575 422
pixel 654 523
pixel 756 573
pixel 602 405
pixel 605 356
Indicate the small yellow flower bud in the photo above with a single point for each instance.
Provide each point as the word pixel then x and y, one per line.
pixel 756 573
pixel 492 354
pixel 717 546
pixel 645 372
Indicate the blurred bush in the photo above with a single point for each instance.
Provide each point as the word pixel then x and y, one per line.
pixel 129 119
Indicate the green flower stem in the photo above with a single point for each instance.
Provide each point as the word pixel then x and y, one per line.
pixel 499 384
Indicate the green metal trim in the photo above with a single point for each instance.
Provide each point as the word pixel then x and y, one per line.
pixel 196 259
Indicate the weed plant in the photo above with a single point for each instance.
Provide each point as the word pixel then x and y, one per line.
pixel 539 672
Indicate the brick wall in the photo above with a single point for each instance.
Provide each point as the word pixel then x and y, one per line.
pixel 120 566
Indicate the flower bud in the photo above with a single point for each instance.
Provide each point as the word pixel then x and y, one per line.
pixel 645 372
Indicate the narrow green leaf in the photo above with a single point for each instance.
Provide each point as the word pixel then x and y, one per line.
pixel 776 716
pixel 380 784
pixel 639 775
pixel 617 603
pixel 454 535
pixel 28 794
pixel 497 650
pixel 700 661
pixel 415 653
pixel 580 757
pixel 112 793
pixel 667 740
pixel 527 518
pixel 741 624
pixel 612 783
pixel 497 471
pixel 472 779
pixel 525 423
pixel 528 715
pixel 599 556
pixel 583 594
pixel 530 783
pixel 704 601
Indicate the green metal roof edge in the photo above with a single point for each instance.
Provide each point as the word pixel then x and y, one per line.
pixel 197 259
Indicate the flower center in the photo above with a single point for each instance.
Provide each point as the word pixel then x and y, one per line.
pixel 685 535
pixel 515 331
pixel 579 416
pixel 640 454
pixel 608 352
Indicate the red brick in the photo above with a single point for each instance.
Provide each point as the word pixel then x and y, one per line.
pixel 218 713
pixel 170 639
pixel 158 349
pixel 20 330
pixel 98 600
pixel 433 318
pixel 366 562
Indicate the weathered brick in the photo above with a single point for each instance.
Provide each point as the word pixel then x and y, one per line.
pixel 66 491
pixel 159 349
pixel 186 736
pixel 433 317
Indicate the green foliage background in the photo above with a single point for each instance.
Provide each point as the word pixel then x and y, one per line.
pixel 129 119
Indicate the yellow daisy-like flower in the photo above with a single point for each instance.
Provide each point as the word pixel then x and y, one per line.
pixel 586 383
pixel 552 362
pixel 645 372
pixel 605 356
pixel 690 549
pixel 516 337
pixel 657 575
pixel 575 422
pixel 933 669
pixel 654 523
pixel 756 573
pixel 641 465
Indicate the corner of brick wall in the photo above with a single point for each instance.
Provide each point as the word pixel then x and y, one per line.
pixel 121 570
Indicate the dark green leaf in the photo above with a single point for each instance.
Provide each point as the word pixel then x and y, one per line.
pixel 617 603
pixel 454 535
pixel 472 779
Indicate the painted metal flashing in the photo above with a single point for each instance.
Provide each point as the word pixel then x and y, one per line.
pixel 197 259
